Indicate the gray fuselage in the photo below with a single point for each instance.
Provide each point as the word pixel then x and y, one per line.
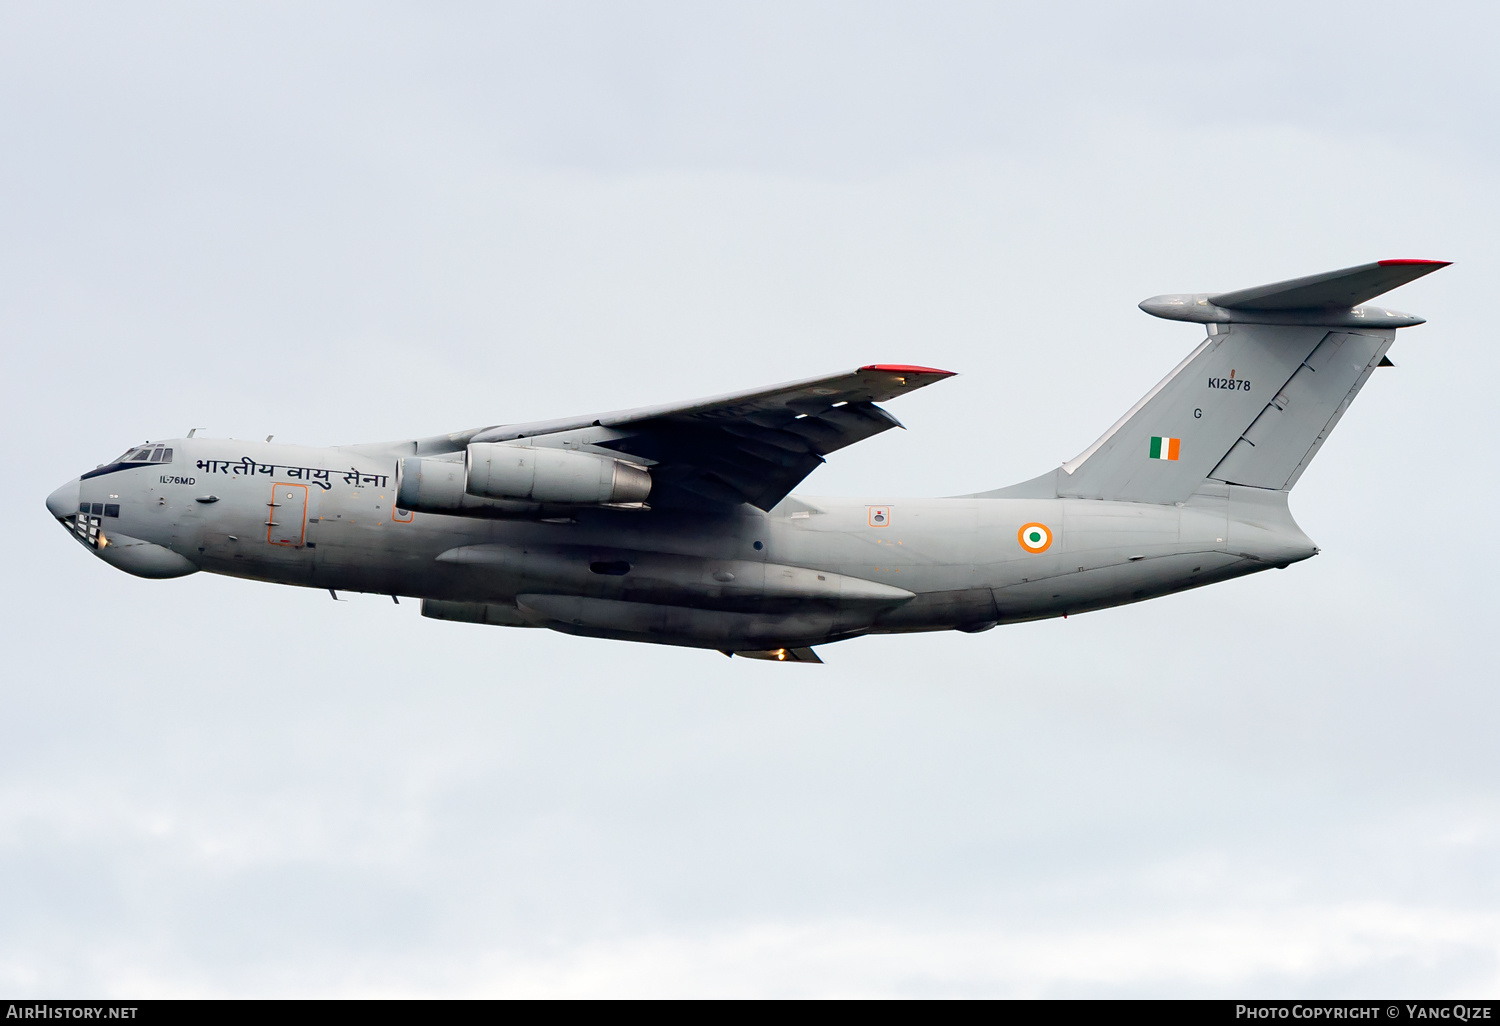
pixel 809 571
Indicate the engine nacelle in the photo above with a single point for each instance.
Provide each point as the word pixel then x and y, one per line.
pixel 497 470
pixel 429 485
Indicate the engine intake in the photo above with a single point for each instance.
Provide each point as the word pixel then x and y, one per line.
pixel 497 470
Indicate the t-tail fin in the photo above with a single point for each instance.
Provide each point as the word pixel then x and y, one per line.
pixel 1254 402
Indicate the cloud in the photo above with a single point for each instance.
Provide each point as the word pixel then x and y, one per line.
pixel 1358 950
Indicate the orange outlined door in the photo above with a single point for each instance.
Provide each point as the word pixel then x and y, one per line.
pixel 286 520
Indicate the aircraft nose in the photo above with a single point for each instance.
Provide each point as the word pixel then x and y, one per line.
pixel 64 501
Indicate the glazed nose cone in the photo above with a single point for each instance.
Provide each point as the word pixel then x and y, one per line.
pixel 64 501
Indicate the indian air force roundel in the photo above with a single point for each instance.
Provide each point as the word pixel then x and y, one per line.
pixel 1035 537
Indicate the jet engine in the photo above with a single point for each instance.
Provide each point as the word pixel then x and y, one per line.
pixel 496 470
pixel 500 480
pixel 429 485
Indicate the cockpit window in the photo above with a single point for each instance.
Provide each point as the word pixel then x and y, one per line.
pixel 145 454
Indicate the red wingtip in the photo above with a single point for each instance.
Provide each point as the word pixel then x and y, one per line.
pixel 1399 263
pixel 905 368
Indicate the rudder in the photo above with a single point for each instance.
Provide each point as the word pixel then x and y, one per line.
pixel 1282 440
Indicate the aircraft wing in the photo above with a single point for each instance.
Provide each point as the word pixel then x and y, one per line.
pixel 753 446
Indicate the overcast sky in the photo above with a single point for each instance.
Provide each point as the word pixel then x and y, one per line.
pixel 342 223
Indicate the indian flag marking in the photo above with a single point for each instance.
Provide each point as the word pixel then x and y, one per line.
pixel 1034 537
pixel 1165 448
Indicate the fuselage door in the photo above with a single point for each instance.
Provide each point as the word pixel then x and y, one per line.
pixel 286 519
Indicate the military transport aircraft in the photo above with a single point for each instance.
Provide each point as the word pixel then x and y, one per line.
pixel 676 524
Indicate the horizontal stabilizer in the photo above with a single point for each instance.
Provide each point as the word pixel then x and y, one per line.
pixel 1346 288
pixel 1333 299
